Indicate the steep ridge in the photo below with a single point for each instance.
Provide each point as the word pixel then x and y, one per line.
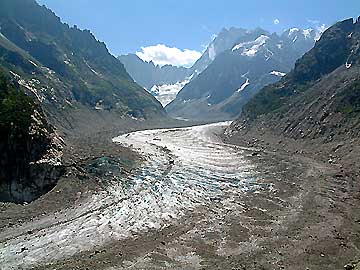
pixel 320 97
pixel 222 42
pixel 257 58
pixel 64 66
pixel 147 74
pixel 65 82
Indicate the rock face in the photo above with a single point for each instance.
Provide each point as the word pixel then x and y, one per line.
pixel 30 161
pixel 238 64
pixel 149 75
pixel 163 82
pixel 320 97
pixel 63 67
pixel 224 41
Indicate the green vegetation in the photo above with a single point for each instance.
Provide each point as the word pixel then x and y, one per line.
pixel 16 109
pixel 348 101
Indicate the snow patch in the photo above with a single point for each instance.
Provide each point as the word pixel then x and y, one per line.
pixel 277 73
pixel 293 30
pixel 246 84
pixel 307 33
pixel 251 48
pixel 92 70
pixel 167 92
pixel 212 52
pixel 16 76
pixel 34 64
pixel 99 105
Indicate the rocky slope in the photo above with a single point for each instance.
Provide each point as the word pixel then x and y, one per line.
pixel 64 66
pixel 66 82
pixel 317 104
pixel 30 161
pixel 314 113
pixel 320 97
pixel 248 62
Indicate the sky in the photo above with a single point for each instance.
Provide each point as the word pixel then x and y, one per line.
pixel 181 29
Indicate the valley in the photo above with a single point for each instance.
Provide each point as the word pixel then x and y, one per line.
pixel 241 152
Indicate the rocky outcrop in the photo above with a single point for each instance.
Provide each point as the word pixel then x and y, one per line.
pixel 30 160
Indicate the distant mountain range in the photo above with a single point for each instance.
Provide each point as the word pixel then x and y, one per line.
pixel 238 63
pixel 233 68
pixel 320 97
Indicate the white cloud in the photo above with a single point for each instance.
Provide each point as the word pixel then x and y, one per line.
pixel 162 55
pixel 276 21
pixel 315 22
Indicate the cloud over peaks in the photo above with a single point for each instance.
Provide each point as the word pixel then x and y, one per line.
pixel 162 55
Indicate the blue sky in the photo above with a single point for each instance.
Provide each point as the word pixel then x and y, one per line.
pixel 128 25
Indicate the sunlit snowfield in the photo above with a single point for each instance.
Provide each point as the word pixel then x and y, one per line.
pixel 183 169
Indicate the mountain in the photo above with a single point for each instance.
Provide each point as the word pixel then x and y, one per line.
pixel 320 97
pixel 255 59
pixel 163 82
pixel 54 77
pixel 222 42
pixel 64 67
pixel 147 74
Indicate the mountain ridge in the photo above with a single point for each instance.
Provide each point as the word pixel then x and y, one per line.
pixel 89 74
pixel 254 59
pixel 320 97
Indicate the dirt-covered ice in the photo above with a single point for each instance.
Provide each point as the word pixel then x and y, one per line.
pixel 183 168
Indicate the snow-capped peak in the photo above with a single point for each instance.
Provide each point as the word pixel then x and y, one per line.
pixel 307 33
pixel 293 30
pixel 252 47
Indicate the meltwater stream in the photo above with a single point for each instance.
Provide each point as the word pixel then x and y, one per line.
pixel 183 169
